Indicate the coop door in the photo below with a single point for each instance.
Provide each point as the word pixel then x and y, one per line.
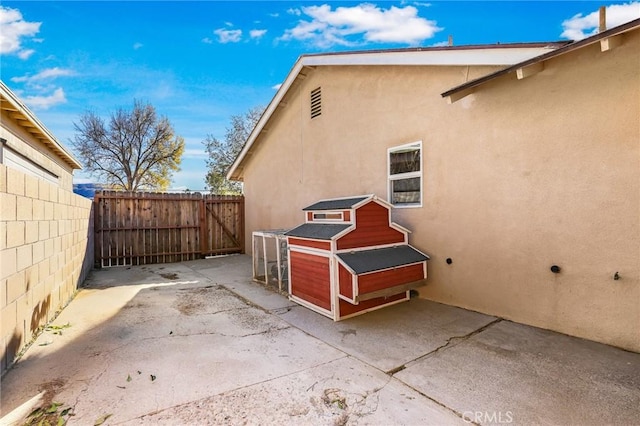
pixel 311 279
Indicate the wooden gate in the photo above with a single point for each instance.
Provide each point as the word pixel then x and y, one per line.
pixel 136 228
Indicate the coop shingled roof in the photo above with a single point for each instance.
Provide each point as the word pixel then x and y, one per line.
pixel 317 231
pixel 365 261
pixel 336 204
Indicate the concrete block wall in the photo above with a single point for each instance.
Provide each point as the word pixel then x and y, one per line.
pixel 46 251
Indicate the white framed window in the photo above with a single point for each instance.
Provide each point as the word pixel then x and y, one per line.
pixel 328 217
pixel 404 171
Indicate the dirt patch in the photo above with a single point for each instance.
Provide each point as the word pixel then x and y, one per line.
pixel 133 305
pixel 335 400
pixel 349 332
pixel 170 276
pixel 192 302
pixel 50 412
pixel 267 405
pixel 51 389
pixel 252 319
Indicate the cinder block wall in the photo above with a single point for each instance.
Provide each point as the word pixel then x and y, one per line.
pixel 46 251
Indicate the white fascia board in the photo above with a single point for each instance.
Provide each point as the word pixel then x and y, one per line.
pixel 347 267
pixel 383 202
pixel 343 232
pixel 457 57
pixel 400 228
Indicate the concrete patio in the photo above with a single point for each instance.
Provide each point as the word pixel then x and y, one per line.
pixel 200 343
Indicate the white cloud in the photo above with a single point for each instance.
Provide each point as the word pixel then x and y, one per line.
pixel 45 102
pixel 296 12
pixel 277 86
pixel 25 53
pixel 47 74
pixel 579 26
pixel 14 28
pixel 137 46
pixel 228 36
pixel 207 40
pixel 195 153
pixel 81 180
pixel 440 44
pixel 365 23
pixel 257 33
pixel 191 179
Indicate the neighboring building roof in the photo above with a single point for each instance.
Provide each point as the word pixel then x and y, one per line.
pixel 317 231
pixel 17 110
pixel 608 40
pixel 337 203
pixel 494 54
pixel 365 261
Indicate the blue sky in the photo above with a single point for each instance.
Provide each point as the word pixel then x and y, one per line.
pixel 200 62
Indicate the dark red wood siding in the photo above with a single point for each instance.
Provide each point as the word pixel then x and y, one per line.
pixel 310 278
pixel 389 278
pixel 347 308
pixel 345 281
pixel 324 245
pixel 372 229
pixel 346 215
pixel 309 216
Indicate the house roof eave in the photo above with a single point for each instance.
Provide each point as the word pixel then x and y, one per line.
pixel 535 63
pixel 10 102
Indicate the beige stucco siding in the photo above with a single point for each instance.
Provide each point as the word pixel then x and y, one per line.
pixel 342 152
pixel 520 176
pixel 549 176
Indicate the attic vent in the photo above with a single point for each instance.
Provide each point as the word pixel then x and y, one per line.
pixel 316 102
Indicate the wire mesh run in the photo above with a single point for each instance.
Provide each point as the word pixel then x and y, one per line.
pixel 270 258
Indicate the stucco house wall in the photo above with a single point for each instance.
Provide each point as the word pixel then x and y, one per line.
pixel 46 248
pixel 517 177
pixel 365 110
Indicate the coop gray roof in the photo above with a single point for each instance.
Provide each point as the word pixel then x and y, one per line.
pixel 337 204
pixel 378 259
pixel 317 231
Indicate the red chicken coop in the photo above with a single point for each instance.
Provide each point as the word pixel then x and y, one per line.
pixel 348 258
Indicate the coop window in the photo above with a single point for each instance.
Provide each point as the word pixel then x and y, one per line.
pixel 316 102
pixel 329 216
pixel 405 175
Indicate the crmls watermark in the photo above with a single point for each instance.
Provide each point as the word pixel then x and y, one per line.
pixel 484 417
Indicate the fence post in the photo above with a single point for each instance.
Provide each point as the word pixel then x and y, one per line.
pixel 97 231
pixel 241 222
pixel 202 226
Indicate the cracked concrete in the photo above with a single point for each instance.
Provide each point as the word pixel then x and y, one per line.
pixel 199 343
pixel 342 391
pixel 451 342
pixel 390 338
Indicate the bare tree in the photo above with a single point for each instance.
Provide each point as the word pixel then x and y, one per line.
pixel 222 153
pixel 137 150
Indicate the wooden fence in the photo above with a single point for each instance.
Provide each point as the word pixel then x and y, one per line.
pixel 135 228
